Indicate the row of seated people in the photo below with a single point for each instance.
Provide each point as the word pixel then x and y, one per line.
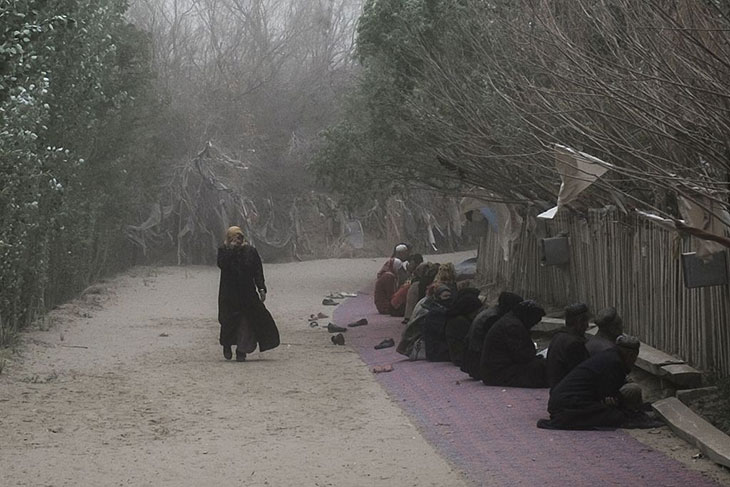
pixel 587 377
pixel 405 279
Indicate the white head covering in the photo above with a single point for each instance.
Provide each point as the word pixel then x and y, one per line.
pixel 401 248
pixel 397 264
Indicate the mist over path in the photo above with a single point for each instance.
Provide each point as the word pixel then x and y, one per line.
pixel 128 386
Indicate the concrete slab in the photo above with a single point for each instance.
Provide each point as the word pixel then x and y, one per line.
pixel 712 442
pixel 652 360
pixel 683 376
pixel 688 395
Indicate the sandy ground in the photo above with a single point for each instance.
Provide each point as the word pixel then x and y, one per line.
pixel 128 386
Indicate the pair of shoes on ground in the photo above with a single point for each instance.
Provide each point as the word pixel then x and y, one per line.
pixel 332 328
pixel 341 295
pixel 387 343
pixel 228 354
pixel 318 316
pixel 338 339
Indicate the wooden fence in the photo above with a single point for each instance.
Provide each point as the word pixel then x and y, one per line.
pixel 626 262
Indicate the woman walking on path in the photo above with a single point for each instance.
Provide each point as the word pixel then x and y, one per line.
pixel 245 321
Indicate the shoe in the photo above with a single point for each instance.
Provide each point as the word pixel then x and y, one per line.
pixel 240 357
pixel 338 339
pixel 329 302
pixel 387 343
pixel 332 328
pixel 361 322
pixel 227 353
pixel 313 324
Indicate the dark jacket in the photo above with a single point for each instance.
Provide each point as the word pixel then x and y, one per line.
pixel 478 329
pixel 458 322
pixel 590 382
pixel 434 333
pixel 242 274
pixel 507 344
pixel 566 351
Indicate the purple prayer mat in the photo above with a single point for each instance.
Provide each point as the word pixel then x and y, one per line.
pixel 490 432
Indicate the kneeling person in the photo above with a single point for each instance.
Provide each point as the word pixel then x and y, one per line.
pixel 568 347
pixel 595 394
pixel 509 356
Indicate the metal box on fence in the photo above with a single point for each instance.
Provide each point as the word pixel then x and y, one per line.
pixel 699 273
pixel 554 251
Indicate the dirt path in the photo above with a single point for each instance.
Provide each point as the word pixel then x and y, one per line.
pixel 128 386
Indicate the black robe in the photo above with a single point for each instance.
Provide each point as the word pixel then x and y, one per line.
pixel 508 356
pixel 566 351
pixel 577 401
pixel 244 319
pixel 434 334
pixel 458 321
pixel 478 329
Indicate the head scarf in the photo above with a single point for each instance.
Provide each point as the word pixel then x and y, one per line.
pixel 231 234
pixel 467 301
pixel 507 301
pixel 402 249
pixel 446 273
pixel 529 312
pixel 441 289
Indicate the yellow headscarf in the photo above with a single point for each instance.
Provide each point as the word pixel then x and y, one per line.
pixel 231 235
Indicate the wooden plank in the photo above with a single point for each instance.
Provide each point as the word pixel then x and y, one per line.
pixel 713 443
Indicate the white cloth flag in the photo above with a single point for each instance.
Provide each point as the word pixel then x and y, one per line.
pixel 577 170
pixel 699 217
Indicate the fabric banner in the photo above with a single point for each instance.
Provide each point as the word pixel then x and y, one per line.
pixel 709 216
pixel 577 170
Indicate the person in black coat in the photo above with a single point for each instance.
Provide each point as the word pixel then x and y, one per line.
pixel 245 321
pixel 568 347
pixel 434 325
pixel 509 356
pixel 595 394
pixel 479 328
pixel 458 321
